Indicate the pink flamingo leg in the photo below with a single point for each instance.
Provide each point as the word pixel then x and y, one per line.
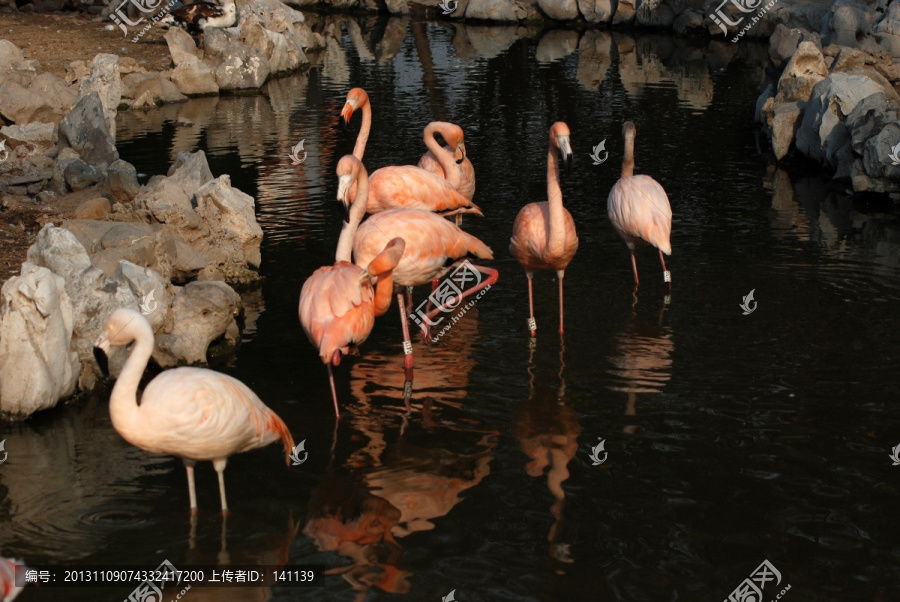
pixel 634 268
pixel 561 274
pixel 407 344
pixel 532 325
pixel 667 276
pixel 192 491
pixel 219 465
pixel 337 412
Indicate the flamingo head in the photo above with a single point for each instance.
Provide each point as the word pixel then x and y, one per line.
pixel 348 170
pixel 456 139
pixel 356 99
pixel 559 137
pixel 123 326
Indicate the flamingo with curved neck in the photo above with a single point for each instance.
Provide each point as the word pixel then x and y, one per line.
pixel 544 235
pixel 193 413
pixel 338 304
pixel 454 137
pixel 639 209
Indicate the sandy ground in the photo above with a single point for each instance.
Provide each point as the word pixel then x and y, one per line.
pixel 56 40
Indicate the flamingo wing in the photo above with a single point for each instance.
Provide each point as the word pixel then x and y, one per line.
pixel 639 208
pixel 336 308
pixel 409 187
pixel 429 162
pixel 531 237
pixel 201 414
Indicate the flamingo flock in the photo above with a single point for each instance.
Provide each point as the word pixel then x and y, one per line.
pixel 407 241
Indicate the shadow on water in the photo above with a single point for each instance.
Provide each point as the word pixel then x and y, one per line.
pixel 761 436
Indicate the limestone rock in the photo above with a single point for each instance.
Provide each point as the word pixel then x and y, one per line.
pixel 33 136
pixel 784 126
pixel 181 46
pixel 596 11
pixel 121 179
pixel 805 69
pixel 561 10
pixel 106 82
pixel 96 208
pixel 84 130
pixel 193 77
pixel 46 99
pixel 148 286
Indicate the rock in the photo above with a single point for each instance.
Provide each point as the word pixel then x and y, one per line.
pixel 12 59
pixel 181 46
pixel 151 89
pixel 235 213
pixel 805 69
pixel 593 58
pixel 765 106
pixel 194 78
pixel 237 65
pixel 689 22
pixel 853 61
pixel 79 175
pixel 822 132
pixel 47 99
pixel 625 12
pixel 274 15
pixel 105 81
pixel 282 55
pixel 34 137
pixel 492 10
pixel 877 160
pixel 596 11
pixel 556 44
pixel 783 44
pixel 84 130
pixel 37 367
pixel 397 7
pixel 202 312
pixel 784 126
pixel 149 287
pixel 77 71
pixel 851 25
pixel 654 13
pixel 887 30
pixel 869 117
pixel 96 208
pixel 121 179
pixel 561 10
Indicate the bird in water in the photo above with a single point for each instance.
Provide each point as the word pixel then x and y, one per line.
pixel 338 304
pixel 197 17
pixel 544 235
pixel 193 413
pixel 639 209
pixel 453 135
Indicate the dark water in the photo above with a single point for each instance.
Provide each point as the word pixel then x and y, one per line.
pixel 731 439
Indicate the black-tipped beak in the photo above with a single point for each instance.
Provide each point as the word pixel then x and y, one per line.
pixel 345 126
pixel 566 159
pixel 345 212
pixel 102 361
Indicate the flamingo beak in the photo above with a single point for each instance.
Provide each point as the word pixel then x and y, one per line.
pixel 100 349
pixel 343 195
pixel 565 153
pixel 347 115
pixel 461 150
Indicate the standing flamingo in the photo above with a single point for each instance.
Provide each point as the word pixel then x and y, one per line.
pixel 544 233
pixel 453 135
pixel 408 186
pixel 338 304
pixel 193 413
pixel 639 209
pixel 431 242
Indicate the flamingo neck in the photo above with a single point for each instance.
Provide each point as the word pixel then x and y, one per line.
pixel 360 148
pixel 357 212
pixel 556 242
pixel 384 288
pixel 628 161
pixel 123 407
pixel 444 156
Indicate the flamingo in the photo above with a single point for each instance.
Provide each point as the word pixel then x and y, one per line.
pixel 431 242
pixel 544 233
pixel 639 209
pixel 408 186
pixel 9 591
pixel 453 136
pixel 338 304
pixel 193 413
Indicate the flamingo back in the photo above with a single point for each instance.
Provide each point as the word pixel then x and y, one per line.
pixel 530 242
pixel 639 210
pixel 201 414
pixel 336 308
pixel 410 187
pixel 430 242
pixel 429 162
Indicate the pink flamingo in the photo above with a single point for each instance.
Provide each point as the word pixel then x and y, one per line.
pixel 544 233
pixel 408 186
pixel 193 413
pixel 8 589
pixel 639 209
pixel 431 242
pixel 338 304
pixel 453 136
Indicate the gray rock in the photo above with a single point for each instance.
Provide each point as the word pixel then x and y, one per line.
pixel 194 78
pixel 12 59
pixel 235 214
pixel 492 10
pixel 877 160
pixel 596 11
pixel 236 65
pixel 84 130
pixel 654 13
pixel 784 126
pixel 121 179
pixel 783 44
pixel 37 367
pixel 59 251
pixel 854 62
pixel 869 117
pixel 149 287
pixel 181 46
pixel 202 312
pixel 851 25
pixel 105 81
pixel 805 69
pixel 34 137
pixel 887 30
pixel 47 99
pixel 765 102
pixel 79 175
pixel 153 87
pixel 561 10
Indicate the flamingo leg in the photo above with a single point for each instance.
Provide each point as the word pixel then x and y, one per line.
pixel 561 274
pixel 532 325
pixel 337 412
pixel 409 290
pixel 192 491
pixel 459 219
pixel 407 344
pixel 667 275
pixel 219 465
pixel 634 268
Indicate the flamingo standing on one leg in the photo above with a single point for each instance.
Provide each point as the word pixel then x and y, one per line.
pixel 639 209
pixel 338 304
pixel 408 186
pixel 544 233
pixel 431 242
pixel 193 413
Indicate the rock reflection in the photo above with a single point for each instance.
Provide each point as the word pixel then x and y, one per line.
pixel 547 430
pixel 643 363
